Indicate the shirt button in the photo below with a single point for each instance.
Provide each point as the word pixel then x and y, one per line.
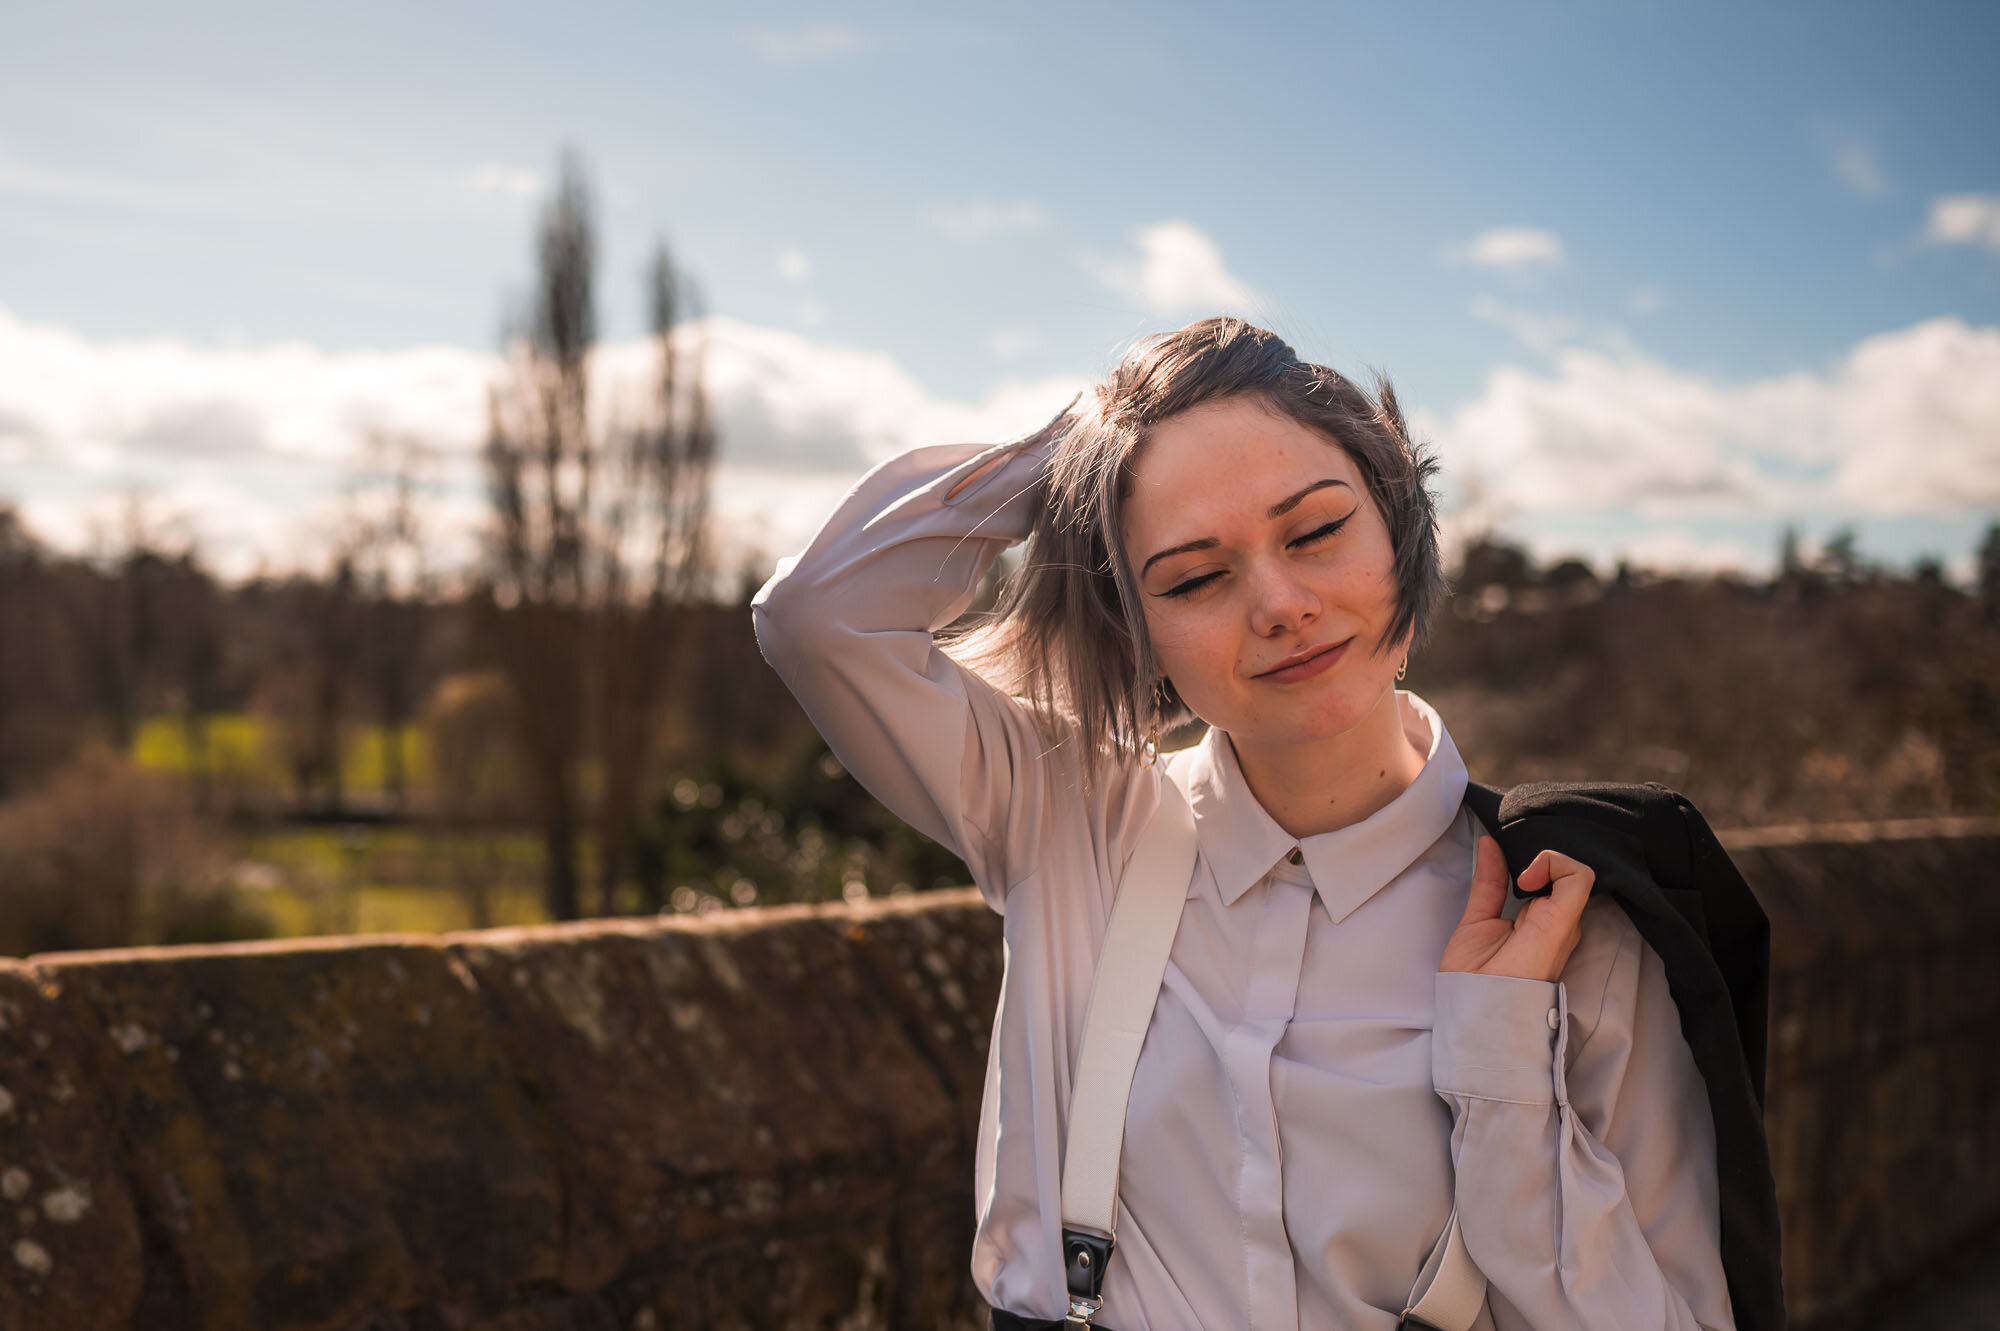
pixel 1296 857
pixel 1554 1020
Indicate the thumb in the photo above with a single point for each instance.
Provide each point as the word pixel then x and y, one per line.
pixel 1489 882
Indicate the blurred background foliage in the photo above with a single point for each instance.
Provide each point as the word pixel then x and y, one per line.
pixel 178 764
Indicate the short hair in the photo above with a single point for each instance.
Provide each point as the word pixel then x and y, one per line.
pixel 1068 632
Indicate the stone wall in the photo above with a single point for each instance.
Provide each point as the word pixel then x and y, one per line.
pixel 764 1118
pixel 1883 1104
pixel 753 1119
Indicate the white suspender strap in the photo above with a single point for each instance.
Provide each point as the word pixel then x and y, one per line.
pixel 1130 962
pixel 1145 913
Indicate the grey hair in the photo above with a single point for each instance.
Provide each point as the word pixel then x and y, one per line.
pixel 1068 632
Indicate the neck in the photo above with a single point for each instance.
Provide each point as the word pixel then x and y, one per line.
pixel 1327 784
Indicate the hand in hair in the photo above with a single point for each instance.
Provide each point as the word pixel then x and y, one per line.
pixel 1055 423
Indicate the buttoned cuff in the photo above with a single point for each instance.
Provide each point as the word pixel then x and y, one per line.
pixel 1498 1037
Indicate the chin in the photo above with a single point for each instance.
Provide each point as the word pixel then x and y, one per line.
pixel 1317 719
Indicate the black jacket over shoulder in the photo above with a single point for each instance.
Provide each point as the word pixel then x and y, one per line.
pixel 1655 855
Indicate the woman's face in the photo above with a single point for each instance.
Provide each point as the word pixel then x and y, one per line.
pixel 1254 543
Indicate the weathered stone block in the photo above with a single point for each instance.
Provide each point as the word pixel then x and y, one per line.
pixel 318 1130
pixel 70 1253
pixel 569 1312
pixel 712 1078
pixel 837 1279
pixel 941 958
pixel 934 1267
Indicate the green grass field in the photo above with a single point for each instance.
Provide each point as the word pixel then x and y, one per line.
pixel 331 878
pixel 357 879
pixel 241 752
pixel 372 879
pixel 380 909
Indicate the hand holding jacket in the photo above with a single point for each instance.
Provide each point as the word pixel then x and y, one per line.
pixel 1535 944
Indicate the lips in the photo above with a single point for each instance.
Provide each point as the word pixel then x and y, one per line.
pixel 1311 654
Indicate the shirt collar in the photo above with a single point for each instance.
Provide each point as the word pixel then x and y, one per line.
pixel 1241 842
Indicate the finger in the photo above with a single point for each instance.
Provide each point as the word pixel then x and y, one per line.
pixel 1489 882
pixel 1574 880
pixel 1558 913
pixel 1533 884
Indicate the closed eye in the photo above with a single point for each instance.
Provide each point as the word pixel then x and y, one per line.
pixel 1316 534
pixel 1182 589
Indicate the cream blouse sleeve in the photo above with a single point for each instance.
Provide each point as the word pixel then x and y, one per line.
pixel 847 624
pixel 1582 1142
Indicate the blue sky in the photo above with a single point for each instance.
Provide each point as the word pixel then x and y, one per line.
pixel 1655 278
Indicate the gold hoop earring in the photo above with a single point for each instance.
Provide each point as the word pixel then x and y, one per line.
pixel 1404 668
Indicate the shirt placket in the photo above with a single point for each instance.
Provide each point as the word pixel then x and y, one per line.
pixel 1270 999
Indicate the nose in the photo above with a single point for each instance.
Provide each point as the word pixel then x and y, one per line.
pixel 1280 600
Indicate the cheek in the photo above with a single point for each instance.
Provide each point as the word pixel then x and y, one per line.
pixel 1187 651
pixel 1368 583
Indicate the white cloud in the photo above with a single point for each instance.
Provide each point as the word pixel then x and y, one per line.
pixel 803 44
pixel 1855 164
pixel 515 182
pixel 1965 219
pixel 793 265
pixel 37 181
pixel 1011 343
pixel 787 400
pixel 121 403
pixel 812 313
pixel 271 185
pixel 1509 249
pixel 1538 330
pixel 258 448
pixel 1907 422
pixel 1679 549
pixel 1179 270
pixel 980 218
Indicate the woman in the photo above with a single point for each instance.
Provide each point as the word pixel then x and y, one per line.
pixel 1357 1028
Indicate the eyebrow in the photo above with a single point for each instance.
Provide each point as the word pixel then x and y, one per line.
pixel 1277 510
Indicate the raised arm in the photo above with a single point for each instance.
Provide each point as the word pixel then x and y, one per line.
pixel 848 623
pixel 1583 1146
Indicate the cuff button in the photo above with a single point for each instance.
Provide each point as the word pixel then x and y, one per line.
pixel 1554 1020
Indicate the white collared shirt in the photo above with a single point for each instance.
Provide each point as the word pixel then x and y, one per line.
pixel 1312 1096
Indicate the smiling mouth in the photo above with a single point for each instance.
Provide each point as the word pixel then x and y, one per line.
pixel 1304 660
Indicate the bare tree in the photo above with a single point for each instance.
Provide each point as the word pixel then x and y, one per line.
pixel 469 723
pixel 113 612
pixel 305 690
pixel 396 590
pixel 597 544
pixel 38 711
pixel 197 658
pixel 1987 582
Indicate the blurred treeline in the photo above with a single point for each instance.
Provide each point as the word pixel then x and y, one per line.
pixel 182 759
pixel 1836 690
